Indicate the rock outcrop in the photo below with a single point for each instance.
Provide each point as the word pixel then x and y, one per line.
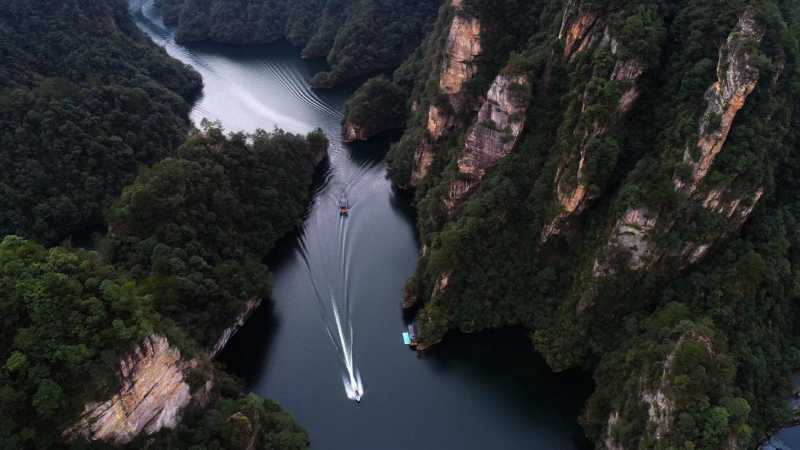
pixel 577 28
pixel 229 332
pixel 630 238
pixel 463 46
pixel 658 393
pixel 737 78
pixel 153 393
pixel 458 66
pixel 634 237
pixel 575 186
pixel 494 134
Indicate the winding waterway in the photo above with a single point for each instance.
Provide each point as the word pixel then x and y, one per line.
pixel 332 329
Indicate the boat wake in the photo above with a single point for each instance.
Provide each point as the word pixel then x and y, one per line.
pixel 325 241
pixel 319 244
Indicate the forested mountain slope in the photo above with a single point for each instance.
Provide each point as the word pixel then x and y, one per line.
pixel 113 348
pixel 358 37
pixel 85 99
pixel 138 322
pixel 621 179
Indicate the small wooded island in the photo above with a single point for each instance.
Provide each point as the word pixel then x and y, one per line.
pixel 619 179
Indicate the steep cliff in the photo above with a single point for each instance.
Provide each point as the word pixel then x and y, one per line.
pixel 463 46
pixel 634 234
pixel 458 66
pixel 643 172
pixel 738 76
pixel 680 379
pixel 154 390
pixel 152 395
pixel 608 96
pixel 493 136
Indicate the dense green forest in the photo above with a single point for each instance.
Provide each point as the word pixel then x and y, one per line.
pixel 617 177
pixel 643 226
pixel 357 37
pixel 378 105
pixel 89 106
pixel 85 99
pixel 195 227
pixel 233 422
pixel 51 368
pixel 182 258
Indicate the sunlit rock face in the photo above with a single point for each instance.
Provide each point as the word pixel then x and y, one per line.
pixel 153 393
pixel 577 28
pixel 458 66
pixel 737 78
pixel 463 46
pixel 494 134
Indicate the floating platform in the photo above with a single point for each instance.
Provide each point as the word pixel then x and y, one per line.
pixel 410 336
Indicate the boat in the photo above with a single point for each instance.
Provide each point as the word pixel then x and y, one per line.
pixel 344 208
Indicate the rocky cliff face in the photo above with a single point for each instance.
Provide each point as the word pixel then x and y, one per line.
pixel 661 395
pixel 737 78
pixel 229 332
pixel 154 392
pixel 578 30
pixel 463 46
pixel 645 149
pixel 632 238
pixel 457 67
pixel 585 31
pixel 493 135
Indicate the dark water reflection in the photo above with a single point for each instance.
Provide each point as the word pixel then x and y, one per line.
pixel 338 283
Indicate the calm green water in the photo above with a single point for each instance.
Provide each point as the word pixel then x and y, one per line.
pixel 335 321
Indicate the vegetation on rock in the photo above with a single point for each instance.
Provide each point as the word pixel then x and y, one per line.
pixel 584 225
pixel 379 105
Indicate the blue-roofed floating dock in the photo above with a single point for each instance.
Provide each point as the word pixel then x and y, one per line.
pixel 410 336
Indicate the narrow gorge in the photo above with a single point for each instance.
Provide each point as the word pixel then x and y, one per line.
pixel 512 224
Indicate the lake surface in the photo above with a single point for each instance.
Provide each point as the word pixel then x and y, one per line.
pixel 333 326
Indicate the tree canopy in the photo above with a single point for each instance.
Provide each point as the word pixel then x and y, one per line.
pixel 85 99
